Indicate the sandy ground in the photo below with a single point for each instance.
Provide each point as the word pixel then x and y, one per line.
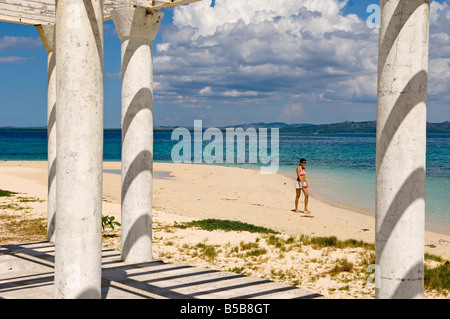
pixel 185 192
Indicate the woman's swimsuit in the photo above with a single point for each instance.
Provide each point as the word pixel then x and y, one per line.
pixel 299 184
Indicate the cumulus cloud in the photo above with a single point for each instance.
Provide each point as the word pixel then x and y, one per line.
pixel 235 93
pixel 13 42
pixel 439 62
pixel 255 49
pixel 297 51
pixel 8 42
pixel 205 90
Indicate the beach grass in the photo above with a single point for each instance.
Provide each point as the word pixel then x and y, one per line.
pixel 342 265
pixel 438 277
pixel 226 225
pixel 5 193
pixel 208 251
pixel 23 229
pixel 332 241
pixel 15 222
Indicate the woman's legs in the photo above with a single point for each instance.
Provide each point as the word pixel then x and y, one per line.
pixel 297 196
pixel 305 191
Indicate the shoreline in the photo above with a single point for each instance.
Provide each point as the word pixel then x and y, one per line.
pixel 320 197
pixel 359 210
pixel 233 193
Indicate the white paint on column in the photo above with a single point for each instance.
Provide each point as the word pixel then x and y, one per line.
pixel 137 27
pixel 401 144
pixel 47 33
pixel 79 124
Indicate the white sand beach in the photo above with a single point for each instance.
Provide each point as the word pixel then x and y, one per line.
pixel 185 192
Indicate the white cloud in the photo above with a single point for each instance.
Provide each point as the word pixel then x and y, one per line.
pixel 439 61
pixel 161 47
pixel 13 59
pixel 289 51
pixel 235 93
pixel 205 90
pixel 8 42
pixel 12 42
pixel 113 75
pixel 208 20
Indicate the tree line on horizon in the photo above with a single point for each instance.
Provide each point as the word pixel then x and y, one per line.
pixel 342 127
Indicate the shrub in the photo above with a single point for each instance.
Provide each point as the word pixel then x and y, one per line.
pixel 4 193
pixel 226 225
pixel 438 278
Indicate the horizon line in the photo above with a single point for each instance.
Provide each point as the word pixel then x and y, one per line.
pixel 235 125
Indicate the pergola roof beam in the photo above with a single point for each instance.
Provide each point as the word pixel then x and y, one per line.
pixel 26 12
pixel 36 12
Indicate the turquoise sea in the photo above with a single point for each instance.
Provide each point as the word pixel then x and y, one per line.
pixel 340 167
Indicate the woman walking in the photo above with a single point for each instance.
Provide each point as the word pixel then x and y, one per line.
pixel 301 185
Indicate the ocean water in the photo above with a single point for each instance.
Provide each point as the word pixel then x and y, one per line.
pixel 340 167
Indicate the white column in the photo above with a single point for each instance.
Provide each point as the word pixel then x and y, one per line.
pixel 47 33
pixel 401 143
pixel 137 27
pixel 79 124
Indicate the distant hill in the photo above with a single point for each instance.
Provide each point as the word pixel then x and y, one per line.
pixel 40 128
pixel 362 127
pixel 443 127
pixel 343 127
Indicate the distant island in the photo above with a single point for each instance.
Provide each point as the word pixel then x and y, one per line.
pixel 357 127
pixel 343 127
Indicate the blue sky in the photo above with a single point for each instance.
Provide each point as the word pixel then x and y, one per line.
pixel 239 61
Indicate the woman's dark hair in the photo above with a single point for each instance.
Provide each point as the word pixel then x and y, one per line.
pixel 302 160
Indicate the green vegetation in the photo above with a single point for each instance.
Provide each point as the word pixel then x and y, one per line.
pixel 332 241
pixel 275 241
pixel 226 225
pixel 22 230
pixel 30 199
pixel 207 251
pixel 109 221
pixel 238 270
pixel 247 246
pixel 435 278
pixel 438 278
pixel 12 206
pixel 4 193
pixel 14 227
pixel 433 257
pixel 341 266
pixel 256 252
